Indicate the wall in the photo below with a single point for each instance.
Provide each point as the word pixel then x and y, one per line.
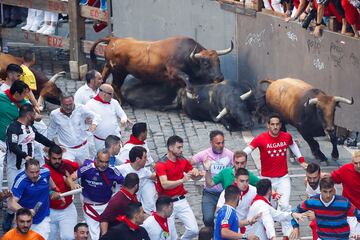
pixel 266 46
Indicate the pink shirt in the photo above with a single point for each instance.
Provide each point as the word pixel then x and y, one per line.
pixel 219 162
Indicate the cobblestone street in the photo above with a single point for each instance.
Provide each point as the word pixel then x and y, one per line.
pixel 161 125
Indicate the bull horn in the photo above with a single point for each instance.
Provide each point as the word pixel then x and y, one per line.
pixel 225 51
pixel 344 100
pixel 193 55
pixel 246 95
pixel 311 101
pixel 221 114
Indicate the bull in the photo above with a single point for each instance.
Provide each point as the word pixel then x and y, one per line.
pixel 46 88
pixel 307 108
pixel 179 61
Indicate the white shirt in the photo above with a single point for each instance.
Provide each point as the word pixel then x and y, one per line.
pixel 70 131
pixel 84 94
pixel 155 232
pixel 110 114
pixel 242 209
pixel 143 173
pixel 124 153
pixel 264 227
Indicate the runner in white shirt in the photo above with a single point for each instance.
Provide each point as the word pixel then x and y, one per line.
pixel 137 138
pixel 160 226
pixel 264 228
pixel 90 88
pixel 110 112
pixel 67 123
pixel 247 195
pixel 147 192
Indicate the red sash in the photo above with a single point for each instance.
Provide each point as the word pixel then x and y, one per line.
pixel 11 97
pixel 261 198
pixel 98 98
pixel 130 196
pixel 135 141
pixel 130 224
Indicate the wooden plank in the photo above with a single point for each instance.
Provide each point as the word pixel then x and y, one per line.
pixel 77 32
pixel 13 34
pixel 47 5
pixel 94 13
pixel 99 50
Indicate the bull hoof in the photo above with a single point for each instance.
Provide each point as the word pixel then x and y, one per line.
pixel 335 156
pixel 320 156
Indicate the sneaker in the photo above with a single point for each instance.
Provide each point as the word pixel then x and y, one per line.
pixel 26 27
pixel 35 26
pixel 43 28
pixel 50 30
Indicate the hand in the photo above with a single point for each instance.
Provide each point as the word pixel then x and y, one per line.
pixel 294 234
pixel 298 216
pixel 92 128
pixel 75 186
pixel 254 219
pixel 317 31
pixel 5 194
pixel 355 237
pixel 27 158
pixel 55 196
pixel 304 165
pixel 37 109
pixel 251 236
pixel 310 215
pixel 302 16
pixel 38 117
pixel 276 196
pixel 288 19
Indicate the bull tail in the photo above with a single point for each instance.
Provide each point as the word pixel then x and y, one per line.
pixel 92 50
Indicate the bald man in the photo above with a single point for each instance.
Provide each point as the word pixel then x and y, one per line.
pixel 110 112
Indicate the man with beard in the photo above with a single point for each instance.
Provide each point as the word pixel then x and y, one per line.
pixel 81 231
pixel 33 189
pixel 20 139
pixel 97 180
pixel 63 214
pixel 171 176
pixel 220 158
pixel 22 230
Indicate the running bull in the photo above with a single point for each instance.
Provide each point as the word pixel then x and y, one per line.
pixel 307 108
pixel 46 88
pixel 177 60
pixel 222 102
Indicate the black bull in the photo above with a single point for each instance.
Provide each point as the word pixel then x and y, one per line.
pixel 223 102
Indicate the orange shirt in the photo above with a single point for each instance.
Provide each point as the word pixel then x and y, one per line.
pixel 14 234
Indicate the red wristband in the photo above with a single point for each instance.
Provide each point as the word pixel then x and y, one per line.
pixel 301 159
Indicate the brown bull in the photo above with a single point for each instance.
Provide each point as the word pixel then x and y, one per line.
pixel 307 108
pixel 46 89
pixel 176 61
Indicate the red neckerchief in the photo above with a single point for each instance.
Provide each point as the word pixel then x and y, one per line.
pixel 64 167
pixel 129 195
pixel 103 175
pixel 242 193
pixel 98 98
pixel 11 97
pixel 134 140
pixel 258 197
pixel 161 221
pixel 130 224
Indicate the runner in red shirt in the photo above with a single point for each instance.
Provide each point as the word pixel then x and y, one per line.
pixel 63 212
pixel 273 147
pixel 171 176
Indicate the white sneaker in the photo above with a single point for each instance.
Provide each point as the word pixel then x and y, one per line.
pixel 49 31
pixel 27 27
pixel 43 28
pixel 34 27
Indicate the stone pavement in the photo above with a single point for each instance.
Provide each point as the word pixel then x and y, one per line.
pixel 195 135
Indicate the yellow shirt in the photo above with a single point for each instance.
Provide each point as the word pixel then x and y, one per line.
pixel 28 77
pixel 13 234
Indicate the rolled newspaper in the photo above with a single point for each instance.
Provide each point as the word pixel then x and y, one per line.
pixel 72 192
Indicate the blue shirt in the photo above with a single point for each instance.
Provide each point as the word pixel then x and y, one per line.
pixel 226 218
pixel 97 185
pixel 30 193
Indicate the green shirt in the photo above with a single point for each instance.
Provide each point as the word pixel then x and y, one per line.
pixel 9 112
pixel 227 177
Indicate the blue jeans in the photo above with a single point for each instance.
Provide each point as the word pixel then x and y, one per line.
pixel 208 206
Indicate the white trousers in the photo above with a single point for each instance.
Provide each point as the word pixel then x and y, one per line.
pixel 147 195
pixel 282 185
pixel 99 144
pixel 2 158
pixel 183 211
pixel 11 173
pixel 77 154
pixel 43 228
pixel 63 222
pixel 94 226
